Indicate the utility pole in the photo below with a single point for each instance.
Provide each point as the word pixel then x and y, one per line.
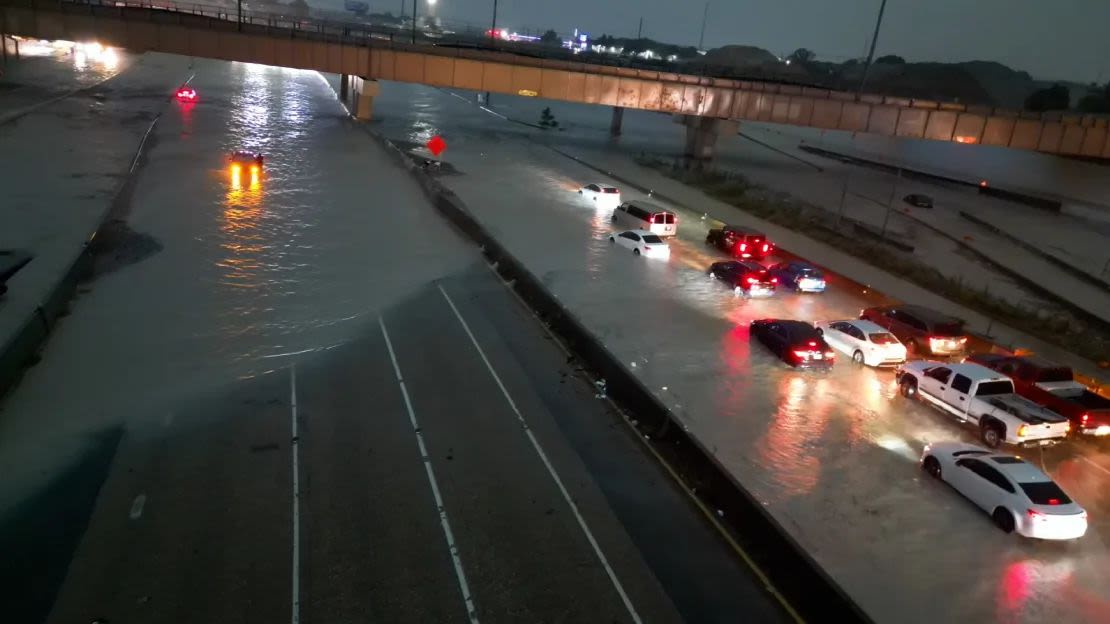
pixel 704 17
pixel 493 27
pixel 871 52
pixel 640 31
pixel 414 21
pixel 240 15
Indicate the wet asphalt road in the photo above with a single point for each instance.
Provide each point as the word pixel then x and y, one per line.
pixel 832 456
pixel 256 338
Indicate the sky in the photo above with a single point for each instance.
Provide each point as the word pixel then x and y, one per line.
pixel 1058 39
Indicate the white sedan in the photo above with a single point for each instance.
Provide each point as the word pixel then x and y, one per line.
pixel 1016 494
pixel 607 197
pixel 642 243
pixel 866 342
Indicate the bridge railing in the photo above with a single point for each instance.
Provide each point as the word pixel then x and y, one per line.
pixel 354 32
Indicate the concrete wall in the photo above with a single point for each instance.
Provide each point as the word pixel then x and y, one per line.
pixel 501 72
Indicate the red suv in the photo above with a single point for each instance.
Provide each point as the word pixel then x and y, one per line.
pixel 928 332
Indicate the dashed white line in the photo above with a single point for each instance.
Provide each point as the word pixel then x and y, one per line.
pixel 444 523
pixel 296 581
pixel 547 463
pixel 137 507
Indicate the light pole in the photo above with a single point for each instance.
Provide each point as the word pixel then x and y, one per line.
pixel 493 27
pixel 704 17
pixel 414 21
pixel 871 52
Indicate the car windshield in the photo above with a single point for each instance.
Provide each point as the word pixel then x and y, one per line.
pixel 1045 493
pixel 949 329
pixel 653 239
pixel 883 338
pixel 994 388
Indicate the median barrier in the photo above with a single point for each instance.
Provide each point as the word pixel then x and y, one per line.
pixel 792 571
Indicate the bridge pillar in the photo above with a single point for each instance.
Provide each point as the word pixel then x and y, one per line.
pixel 365 90
pixel 702 132
pixel 344 90
pixel 615 123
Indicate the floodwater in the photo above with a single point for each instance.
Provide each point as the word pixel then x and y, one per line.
pixel 832 456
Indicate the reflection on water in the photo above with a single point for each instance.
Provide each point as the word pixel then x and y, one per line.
pixel 791 446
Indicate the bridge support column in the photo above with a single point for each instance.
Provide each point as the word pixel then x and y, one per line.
pixel 702 132
pixel 344 87
pixel 364 92
pixel 615 123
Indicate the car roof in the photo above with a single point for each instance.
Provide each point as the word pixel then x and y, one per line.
pixel 867 327
pixel 974 372
pixel 739 229
pixel 751 265
pixel 928 315
pixel 1016 468
pixel 793 325
pixel 648 206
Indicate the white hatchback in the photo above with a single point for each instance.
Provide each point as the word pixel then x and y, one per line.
pixel 607 197
pixel 866 342
pixel 1016 494
pixel 642 243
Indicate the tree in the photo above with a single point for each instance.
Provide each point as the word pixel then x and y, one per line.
pixel 550 37
pixel 801 55
pixel 1056 97
pixel 890 59
pixel 1097 99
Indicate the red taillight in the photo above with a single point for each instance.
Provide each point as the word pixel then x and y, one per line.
pixel 774 280
pixel 1083 418
pixel 743 246
pixel 804 355
pixel 765 247
pixel 752 280
pixel 829 355
pixel 1036 515
pixel 812 343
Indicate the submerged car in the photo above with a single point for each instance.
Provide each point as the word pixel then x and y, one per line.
pixel 243 157
pixel 1016 494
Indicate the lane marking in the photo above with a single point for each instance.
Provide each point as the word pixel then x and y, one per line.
pixel 444 523
pixel 709 515
pixel 1084 458
pixel 296 584
pixel 547 463
pixel 137 507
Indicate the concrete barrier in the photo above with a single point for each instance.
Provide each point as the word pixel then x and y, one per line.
pixel 794 573
pixel 20 349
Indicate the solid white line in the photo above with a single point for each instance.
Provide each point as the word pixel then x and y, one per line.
pixel 296 615
pixel 137 507
pixel 547 463
pixel 444 523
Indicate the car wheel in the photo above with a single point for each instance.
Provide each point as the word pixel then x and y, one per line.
pixel 857 357
pixel 635 252
pixel 820 332
pixel 612 239
pixel 931 466
pixel 908 387
pixel 1003 519
pixel 991 435
pixel 579 191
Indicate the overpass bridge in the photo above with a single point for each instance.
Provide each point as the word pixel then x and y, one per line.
pixel 365 54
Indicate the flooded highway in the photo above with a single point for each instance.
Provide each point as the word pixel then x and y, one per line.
pixel 833 456
pixel 311 397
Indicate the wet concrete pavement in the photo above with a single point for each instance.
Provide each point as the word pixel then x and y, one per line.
pixel 189 355
pixel 833 456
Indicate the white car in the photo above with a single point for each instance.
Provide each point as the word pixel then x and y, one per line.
pixel 608 197
pixel 866 342
pixel 1016 494
pixel 642 243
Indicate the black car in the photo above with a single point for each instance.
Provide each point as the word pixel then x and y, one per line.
pixel 918 200
pixel 243 157
pixel 740 242
pixel 797 343
pixel 744 277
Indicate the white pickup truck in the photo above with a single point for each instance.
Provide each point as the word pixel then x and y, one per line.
pixel 977 394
